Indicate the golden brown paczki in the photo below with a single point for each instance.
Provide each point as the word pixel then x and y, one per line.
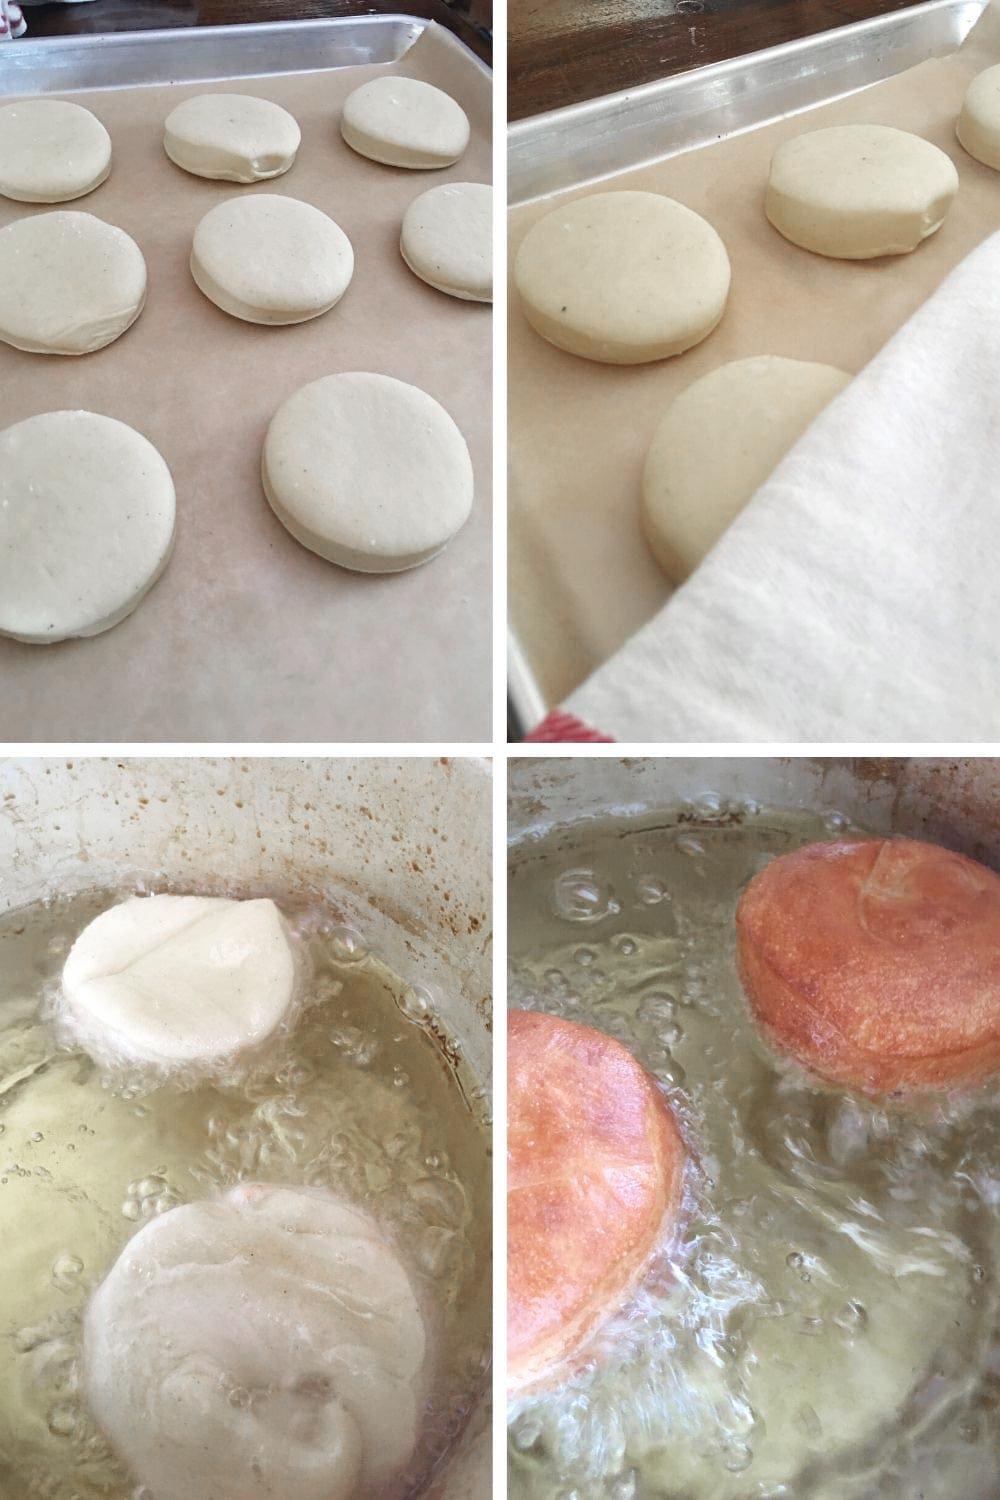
pixel 876 962
pixel 594 1180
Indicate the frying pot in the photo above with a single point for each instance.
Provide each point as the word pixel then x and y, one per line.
pixel 400 847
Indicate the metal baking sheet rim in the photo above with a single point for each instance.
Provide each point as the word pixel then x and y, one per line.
pixel 583 143
pixel 206 54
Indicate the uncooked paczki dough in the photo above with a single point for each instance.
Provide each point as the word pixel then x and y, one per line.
pixel 87 513
pixel 405 123
pixel 269 259
pixel 622 277
pixel 69 283
pixel 855 192
pixel 51 151
pixel 367 471
pixel 231 137
pixel 267 1345
pixel 979 123
pixel 171 980
pixel 718 442
pixel 447 239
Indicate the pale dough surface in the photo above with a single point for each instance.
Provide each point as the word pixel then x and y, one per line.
pixel 719 441
pixel 978 127
pixel 856 192
pixel 231 137
pixel 69 283
pixel 447 239
pixel 87 515
pixel 51 151
pixel 367 471
pixel 266 1344
pixel 171 980
pixel 404 122
pixel 623 277
pixel 270 259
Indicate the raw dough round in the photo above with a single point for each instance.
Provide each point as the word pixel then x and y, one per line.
pixel 269 259
pixel 367 471
pixel 69 283
pixel 87 515
pixel 447 239
pixel 171 980
pixel 623 277
pixel 265 1344
pixel 978 127
pixel 855 192
pixel 404 123
pixel 51 151
pixel 718 442
pixel 594 1180
pixel 876 962
pixel 231 137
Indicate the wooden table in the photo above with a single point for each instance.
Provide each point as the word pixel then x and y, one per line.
pixel 469 19
pixel 562 51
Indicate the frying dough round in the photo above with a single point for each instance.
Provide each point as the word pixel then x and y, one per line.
pixel 172 980
pixel 404 123
pixel 876 962
pixel 69 283
pixel 623 277
pixel 719 441
pixel 270 259
pixel 594 1182
pixel 231 137
pixel 367 471
pixel 447 239
pixel 268 1343
pixel 51 151
pixel 87 514
pixel 978 127
pixel 855 192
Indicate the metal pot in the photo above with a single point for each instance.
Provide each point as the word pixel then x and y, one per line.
pixel 404 845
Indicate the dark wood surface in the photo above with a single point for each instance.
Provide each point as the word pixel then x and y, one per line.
pixel 563 51
pixel 469 19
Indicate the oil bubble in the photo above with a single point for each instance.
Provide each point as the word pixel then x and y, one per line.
pixel 416 1003
pixel 62 1421
pixel 65 1273
pixel 347 945
pixel 626 946
pixel 688 844
pixel 651 890
pixel 582 956
pixel 580 896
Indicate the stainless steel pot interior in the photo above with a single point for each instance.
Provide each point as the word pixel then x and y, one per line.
pixel 950 801
pixel 402 848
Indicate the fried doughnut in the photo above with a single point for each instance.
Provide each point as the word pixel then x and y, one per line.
pixel 876 962
pixel 595 1167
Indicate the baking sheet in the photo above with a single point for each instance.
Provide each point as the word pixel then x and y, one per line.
pixel 581 578
pixel 249 637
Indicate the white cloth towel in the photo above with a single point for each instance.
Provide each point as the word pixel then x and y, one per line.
pixel 857 597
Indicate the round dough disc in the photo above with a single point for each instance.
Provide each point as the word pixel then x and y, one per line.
pixel 718 442
pixel 87 515
pixel 171 980
pixel 69 283
pixel 231 137
pixel 855 192
pixel 623 277
pixel 269 259
pixel 268 1343
pixel 51 151
pixel 447 239
pixel 979 123
pixel 367 471
pixel 404 123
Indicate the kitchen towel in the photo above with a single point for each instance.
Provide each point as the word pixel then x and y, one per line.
pixel 857 597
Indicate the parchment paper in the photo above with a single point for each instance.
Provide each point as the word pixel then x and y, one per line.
pixel 248 636
pixel 582 580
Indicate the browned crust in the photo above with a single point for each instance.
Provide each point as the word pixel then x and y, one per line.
pixel 595 1170
pixel 876 962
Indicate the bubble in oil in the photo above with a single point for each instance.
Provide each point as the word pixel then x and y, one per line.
pixel 62 1421
pixel 651 890
pixel 347 945
pixel 581 896
pixel 66 1272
